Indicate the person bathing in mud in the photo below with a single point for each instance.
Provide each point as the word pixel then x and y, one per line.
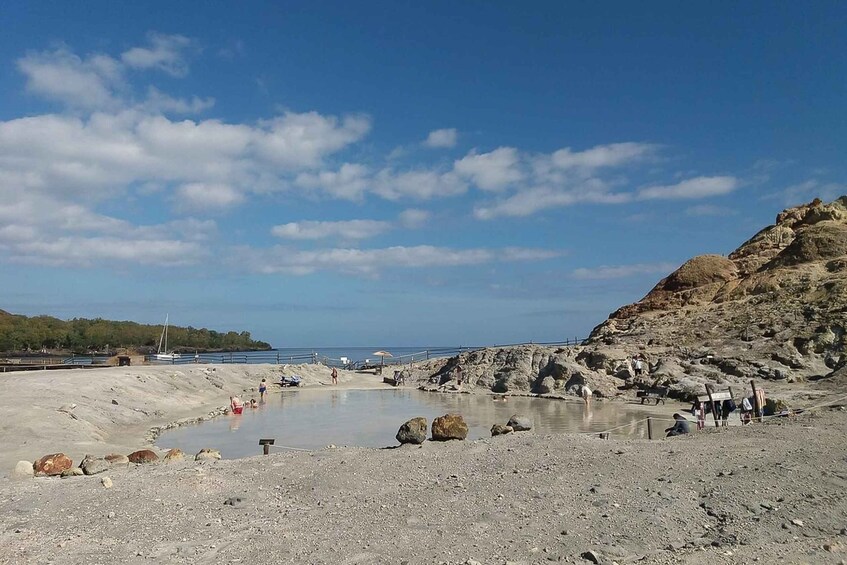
pixel 235 403
pixel 253 403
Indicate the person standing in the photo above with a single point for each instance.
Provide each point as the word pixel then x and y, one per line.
pixel 263 387
pixel 639 366
pixel 334 376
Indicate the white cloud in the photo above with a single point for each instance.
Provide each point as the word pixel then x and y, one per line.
pixel 369 262
pixel 420 185
pixel 348 230
pixel 602 156
pixel 700 187
pixel 491 171
pixel 413 218
pixel 806 191
pixel 62 76
pixel 198 196
pixel 158 101
pixel 532 200
pixel 165 53
pixel 442 138
pixel 302 140
pixel 623 271
pixel 349 182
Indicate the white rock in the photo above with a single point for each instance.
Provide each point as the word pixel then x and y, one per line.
pixel 23 470
pixel 106 482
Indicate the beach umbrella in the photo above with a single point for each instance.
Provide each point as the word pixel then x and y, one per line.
pixel 382 355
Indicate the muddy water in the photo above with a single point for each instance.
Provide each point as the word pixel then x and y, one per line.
pixel 370 418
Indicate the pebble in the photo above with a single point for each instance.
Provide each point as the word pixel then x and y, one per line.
pixel 797 522
pixel 106 482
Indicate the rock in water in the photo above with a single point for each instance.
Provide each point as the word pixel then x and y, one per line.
pixel 449 426
pixel 143 456
pixel 520 423
pixel 53 464
pixel 207 454
pixel 93 465
pixel 117 460
pixel 413 431
pixel 500 429
pixel 174 454
pixel 23 470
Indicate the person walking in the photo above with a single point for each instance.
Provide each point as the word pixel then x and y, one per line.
pixel 263 388
pixel 334 376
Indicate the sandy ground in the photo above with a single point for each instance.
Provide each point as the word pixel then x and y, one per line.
pixel 771 492
pixel 114 407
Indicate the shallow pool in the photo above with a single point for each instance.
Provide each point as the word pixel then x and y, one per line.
pixel 313 419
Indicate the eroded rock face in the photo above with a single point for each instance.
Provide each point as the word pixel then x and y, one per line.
pixel 449 426
pixel 53 464
pixel 773 309
pixel 143 456
pixel 413 431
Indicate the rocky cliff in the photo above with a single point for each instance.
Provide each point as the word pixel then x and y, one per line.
pixel 774 309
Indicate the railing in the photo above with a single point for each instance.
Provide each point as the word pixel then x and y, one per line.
pixel 279 357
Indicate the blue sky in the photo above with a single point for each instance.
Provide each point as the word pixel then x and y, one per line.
pixel 398 173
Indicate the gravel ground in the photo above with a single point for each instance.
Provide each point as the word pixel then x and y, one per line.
pixel 771 492
pixel 759 493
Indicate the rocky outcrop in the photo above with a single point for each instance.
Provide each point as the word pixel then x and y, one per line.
pixel 449 426
pixel 413 431
pixel 773 309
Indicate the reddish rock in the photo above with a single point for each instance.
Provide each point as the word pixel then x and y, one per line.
pixel 449 426
pixel 53 464
pixel 143 456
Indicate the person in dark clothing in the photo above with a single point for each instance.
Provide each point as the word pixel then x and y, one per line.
pixel 679 428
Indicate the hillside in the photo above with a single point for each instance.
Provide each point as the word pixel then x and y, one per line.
pixel 22 333
pixel 773 310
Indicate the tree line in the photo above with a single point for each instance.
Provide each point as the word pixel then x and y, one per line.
pixel 22 333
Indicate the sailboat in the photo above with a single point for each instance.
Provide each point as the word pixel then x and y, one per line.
pixel 162 351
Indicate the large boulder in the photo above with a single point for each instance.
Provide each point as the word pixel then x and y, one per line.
pixel 520 423
pixel 117 460
pixel 23 470
pixel 53 464
pixel 143 456
pixel 546 386
pixel 413 431
pixel 449 426
pixel 93 465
